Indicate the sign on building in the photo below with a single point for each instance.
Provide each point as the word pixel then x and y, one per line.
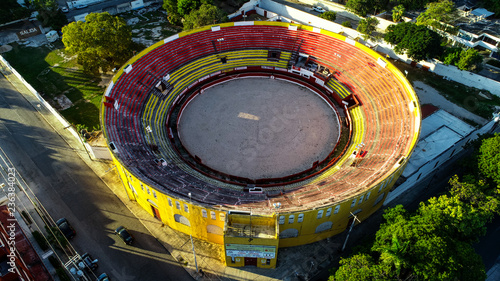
pixel 251 251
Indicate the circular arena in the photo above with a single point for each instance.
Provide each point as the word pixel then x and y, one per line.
pixel 259 135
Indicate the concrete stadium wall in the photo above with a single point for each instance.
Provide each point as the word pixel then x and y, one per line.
pixel 336 216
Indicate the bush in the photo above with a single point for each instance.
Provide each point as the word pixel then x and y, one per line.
pixel 40 239
pixel 26 217
pixel 54 262
pixel 347 24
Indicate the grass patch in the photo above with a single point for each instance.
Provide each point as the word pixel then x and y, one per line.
pixel 53 72
pixel 472 99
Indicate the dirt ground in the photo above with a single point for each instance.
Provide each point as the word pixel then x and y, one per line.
pixel 259 128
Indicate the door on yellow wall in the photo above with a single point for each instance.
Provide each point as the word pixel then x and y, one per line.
pixel 156 213
pixel 250 261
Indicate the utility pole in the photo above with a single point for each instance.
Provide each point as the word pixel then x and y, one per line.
pixel 350 229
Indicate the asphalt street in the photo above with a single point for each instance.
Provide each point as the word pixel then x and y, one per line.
pixel 67 187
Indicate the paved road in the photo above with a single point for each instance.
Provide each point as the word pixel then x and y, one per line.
pixel 67 187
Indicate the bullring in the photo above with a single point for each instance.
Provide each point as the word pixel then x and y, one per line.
pixel 253 215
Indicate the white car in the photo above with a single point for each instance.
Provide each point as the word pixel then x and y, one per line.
pixel 318 9
pixel 64 9
pixel 81 6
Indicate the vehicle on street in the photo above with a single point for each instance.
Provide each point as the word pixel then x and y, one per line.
pixel 67 230
pixel 64 9
pixel 81 6
pixel 319 9
pixel 123 233
pixel 103 277
pixel 87 263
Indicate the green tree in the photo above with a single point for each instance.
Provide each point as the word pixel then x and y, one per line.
pixel 360 267
pixel 359 7
pixel 10 10
pixel 393 255
pixel 329 15
pixel 489 158
pixel 397 13
pixel 470 60
pixel 101 42
pixel 451 56
pixel 417 41
pixel 184 7
pixel 49 14
pixel 438 14
pixel 205 15
pixel 367 26
pixel 492 5
pixel 347 24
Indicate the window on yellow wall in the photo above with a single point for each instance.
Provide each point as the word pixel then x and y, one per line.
pixel 142 187
pixel 204 213
pixel 379 198
pixel 268 262
pixel 360 199
pixel 337 209
pixel 154 194
pixel 353 202
pixel 222 216
pixel 291 219
pixel 170 202
pixel 320 214
pixel 177 205
pixel 282 220
pixel 186 208
pixel 380 188
pixel 147 188
pixel 328 212
pixel 212 215
pixel 300 218
pixel 367 195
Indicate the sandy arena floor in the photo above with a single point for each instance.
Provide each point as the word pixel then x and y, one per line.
pixel 259 128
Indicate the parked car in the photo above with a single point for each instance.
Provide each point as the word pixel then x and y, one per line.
pixel 87 263
pixel 319 9
pixel 123 233
pixel 103 277
pixel 64 9
pixel 81 6
pixel 66 228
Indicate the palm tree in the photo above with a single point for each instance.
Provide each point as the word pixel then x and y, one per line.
pixel 397 13
pixel 394 254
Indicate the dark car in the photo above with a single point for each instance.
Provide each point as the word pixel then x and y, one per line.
pixel 66 228
pixel 87 262
pixel 103 277
pixel 124 235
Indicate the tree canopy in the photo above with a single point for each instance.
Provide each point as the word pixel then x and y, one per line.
pixel 329 15
pixel 435 241
pixel 438 14
pixel 49 14
pixel 359 7
pixel 493 6
pixel 205 15
pixel 398 13
pixel 367 26
pixel 101 42
pixel 417 41
pixel 489 158
pixel 10 10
